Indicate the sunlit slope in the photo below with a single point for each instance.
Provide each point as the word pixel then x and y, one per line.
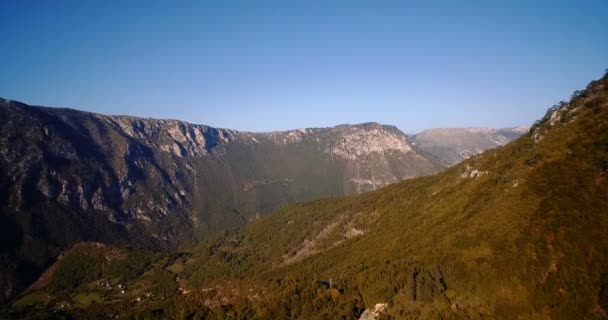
pixel 514 232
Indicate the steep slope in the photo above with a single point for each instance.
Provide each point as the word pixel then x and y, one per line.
pixel 68 176
pixel 452 145
pixel 518 232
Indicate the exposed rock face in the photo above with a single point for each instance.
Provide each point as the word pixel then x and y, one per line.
pixel 68 176
pixel 452 145
pixel 375 139
pixel 374 313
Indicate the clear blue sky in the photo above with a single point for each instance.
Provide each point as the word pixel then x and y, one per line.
pixel 260 65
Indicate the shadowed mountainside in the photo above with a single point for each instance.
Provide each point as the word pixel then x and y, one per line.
pixel 68 176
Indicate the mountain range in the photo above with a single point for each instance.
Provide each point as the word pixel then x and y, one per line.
pixel 452 145
pixel 516 232
pixel 436 246
pixel 68 176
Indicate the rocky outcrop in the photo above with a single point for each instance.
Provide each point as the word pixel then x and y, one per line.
pixel 374 313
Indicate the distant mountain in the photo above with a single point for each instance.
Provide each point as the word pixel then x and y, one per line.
pixel 517 232
pixel 68 176
pixel 452 145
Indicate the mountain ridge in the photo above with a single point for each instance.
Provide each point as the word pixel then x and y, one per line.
pixel 135 117
pixel 453 145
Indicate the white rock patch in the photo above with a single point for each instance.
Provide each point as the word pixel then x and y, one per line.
pixel 373 313
pixel 471 172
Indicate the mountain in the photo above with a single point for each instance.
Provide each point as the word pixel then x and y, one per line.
pixel 452 145
pixel 68 176
pixel 517 232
